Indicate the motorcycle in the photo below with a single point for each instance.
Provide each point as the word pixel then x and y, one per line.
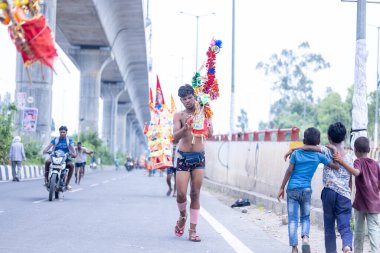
pixel 129 165
pixel 57 173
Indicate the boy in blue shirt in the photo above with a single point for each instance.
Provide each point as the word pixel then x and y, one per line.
pixel 302 166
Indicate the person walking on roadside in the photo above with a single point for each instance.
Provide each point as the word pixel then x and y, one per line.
pixel 16 156
pixel 190 162
pixel 171 172
pixel 80 161
pixel 298 176
pixel 367 197
pixel 336 193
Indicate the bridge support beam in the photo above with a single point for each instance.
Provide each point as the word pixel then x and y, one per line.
pixel 110 93
pixel 91 63
pixel 39 92
pixel 121 131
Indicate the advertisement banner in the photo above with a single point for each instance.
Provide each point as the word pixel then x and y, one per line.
pixel 30 119
pixel 21 100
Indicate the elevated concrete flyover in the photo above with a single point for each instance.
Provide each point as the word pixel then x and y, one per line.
pixel 106 41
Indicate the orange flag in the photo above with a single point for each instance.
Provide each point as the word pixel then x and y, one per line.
pixel 174 109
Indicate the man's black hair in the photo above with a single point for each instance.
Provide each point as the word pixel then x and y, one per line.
pixel 185 90
pixel 311 136
pixel 63 128
pixel 361 145
pixel 79 143
pixel 337 132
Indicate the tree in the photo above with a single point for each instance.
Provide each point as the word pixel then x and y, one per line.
pixel 290 71
pixel 7 111
pixel 242 120
pixel 331 109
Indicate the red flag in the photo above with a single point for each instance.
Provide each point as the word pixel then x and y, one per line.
pixel 159 96
pixel 150 98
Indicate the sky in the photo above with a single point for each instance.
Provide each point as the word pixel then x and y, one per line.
pixel 262 29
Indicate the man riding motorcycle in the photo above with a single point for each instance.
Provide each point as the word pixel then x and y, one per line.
pixel 64 143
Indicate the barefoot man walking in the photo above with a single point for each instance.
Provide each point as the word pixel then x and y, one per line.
pixel 190 162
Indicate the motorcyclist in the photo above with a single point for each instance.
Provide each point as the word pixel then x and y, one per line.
pixel 64 143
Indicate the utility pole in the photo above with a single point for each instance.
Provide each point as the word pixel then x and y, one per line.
pixel 359 100
pixel 376 131
pixel 232 105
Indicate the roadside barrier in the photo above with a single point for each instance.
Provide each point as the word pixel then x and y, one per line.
pixel 281 134
pixel 27 171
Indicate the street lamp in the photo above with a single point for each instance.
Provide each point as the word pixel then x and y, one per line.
pixel 377 94
pixel 197 17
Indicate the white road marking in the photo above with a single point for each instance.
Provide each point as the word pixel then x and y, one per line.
pixel 93 185
pixel 113 179
pixel 76 190
pixel 106 182
pixel 1 212
pixel 39 201
pixel 232 240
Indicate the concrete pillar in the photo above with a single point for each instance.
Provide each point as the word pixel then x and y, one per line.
pixel 39 92
pixel 90 62
pixel 110 93
pixel 129 132
pixel 121 131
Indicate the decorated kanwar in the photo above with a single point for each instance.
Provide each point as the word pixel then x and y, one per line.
pixel 159 131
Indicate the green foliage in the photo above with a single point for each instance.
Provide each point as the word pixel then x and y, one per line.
pixel 242 120
pixel 92 142
pixel 331 109
pixel 33 150
pixel 291 71
pixel 7 111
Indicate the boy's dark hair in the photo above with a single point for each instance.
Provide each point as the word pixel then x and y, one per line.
pixel 361 145
pixel 64 128
pixel 337 132
pixel 311 136
pixel 185 90
pixel 79 143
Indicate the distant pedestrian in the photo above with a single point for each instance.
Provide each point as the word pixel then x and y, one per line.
pixel 367 198
pixel 16 156
pixel 117 163
pixel 302 166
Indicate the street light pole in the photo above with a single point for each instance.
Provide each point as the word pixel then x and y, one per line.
pixel 232 105
pixel 196 55
pixel 377 95
pixel 197 35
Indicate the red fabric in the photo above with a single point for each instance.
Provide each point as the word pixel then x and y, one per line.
pixel 159 95
pixel 40 41
pixel 367 198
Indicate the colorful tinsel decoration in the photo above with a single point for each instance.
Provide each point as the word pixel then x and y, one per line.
pixel 207 88
pixel 211 85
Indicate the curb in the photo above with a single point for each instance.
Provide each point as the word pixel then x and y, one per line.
pixel 269 203
pixel 27 172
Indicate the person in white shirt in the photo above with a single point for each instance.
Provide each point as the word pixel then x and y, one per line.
pixel 80 161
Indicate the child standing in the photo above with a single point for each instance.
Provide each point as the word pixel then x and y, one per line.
pixel 302 166
pixel 367 199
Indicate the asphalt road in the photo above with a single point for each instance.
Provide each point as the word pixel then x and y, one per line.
pixel 118 211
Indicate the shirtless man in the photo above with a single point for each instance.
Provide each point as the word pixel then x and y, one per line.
pixel 190 163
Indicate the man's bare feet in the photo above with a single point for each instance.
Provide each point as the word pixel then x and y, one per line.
pixel 169 192
pixel 294 249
